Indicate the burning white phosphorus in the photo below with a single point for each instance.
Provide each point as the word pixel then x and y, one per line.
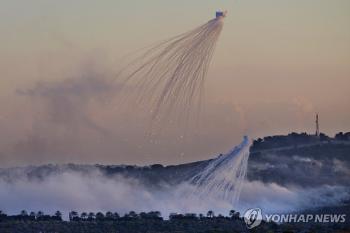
pixel 169 77
pixel 223 177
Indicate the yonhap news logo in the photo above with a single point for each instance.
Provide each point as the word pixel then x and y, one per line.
pixel 254 217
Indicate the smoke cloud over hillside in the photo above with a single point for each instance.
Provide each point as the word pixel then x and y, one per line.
pixel 93 191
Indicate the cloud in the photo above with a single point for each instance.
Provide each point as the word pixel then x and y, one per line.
pixel 67 118
pixel 67 102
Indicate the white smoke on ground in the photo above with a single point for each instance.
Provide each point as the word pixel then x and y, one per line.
pixel 274 198
pixel 217 187
pixel 95 192
pixel 223 177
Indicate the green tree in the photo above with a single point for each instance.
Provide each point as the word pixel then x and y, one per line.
pixel 58 215
pixel 232 213
pixel 32 214
pixel 100 216
pixel 84 216
pixel 210 214
pixel 24 213
pixel 91 216
pixel 109 215
pixel 132 214
pixel 116 215
pixel 39 214
pixel 73 216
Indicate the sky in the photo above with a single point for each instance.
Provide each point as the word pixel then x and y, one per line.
pixel 277 63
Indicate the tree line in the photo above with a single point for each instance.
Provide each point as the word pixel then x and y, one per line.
pixel 150 222
pixel 75 216
pixel 294 139
pixel 32 216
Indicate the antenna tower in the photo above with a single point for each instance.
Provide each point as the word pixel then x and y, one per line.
pixel 317 126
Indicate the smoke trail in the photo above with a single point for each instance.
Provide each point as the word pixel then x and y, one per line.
pixel 170 75
pixel 223 177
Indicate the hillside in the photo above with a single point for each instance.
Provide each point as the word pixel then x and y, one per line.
pixel 295 159
pixel 292 173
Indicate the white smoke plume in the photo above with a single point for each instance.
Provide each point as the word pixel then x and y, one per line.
pixel 94 192
pixel 217 186
pixel 223 177
pixel 169 77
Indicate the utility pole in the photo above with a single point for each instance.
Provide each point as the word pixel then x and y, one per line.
pixel 317 126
